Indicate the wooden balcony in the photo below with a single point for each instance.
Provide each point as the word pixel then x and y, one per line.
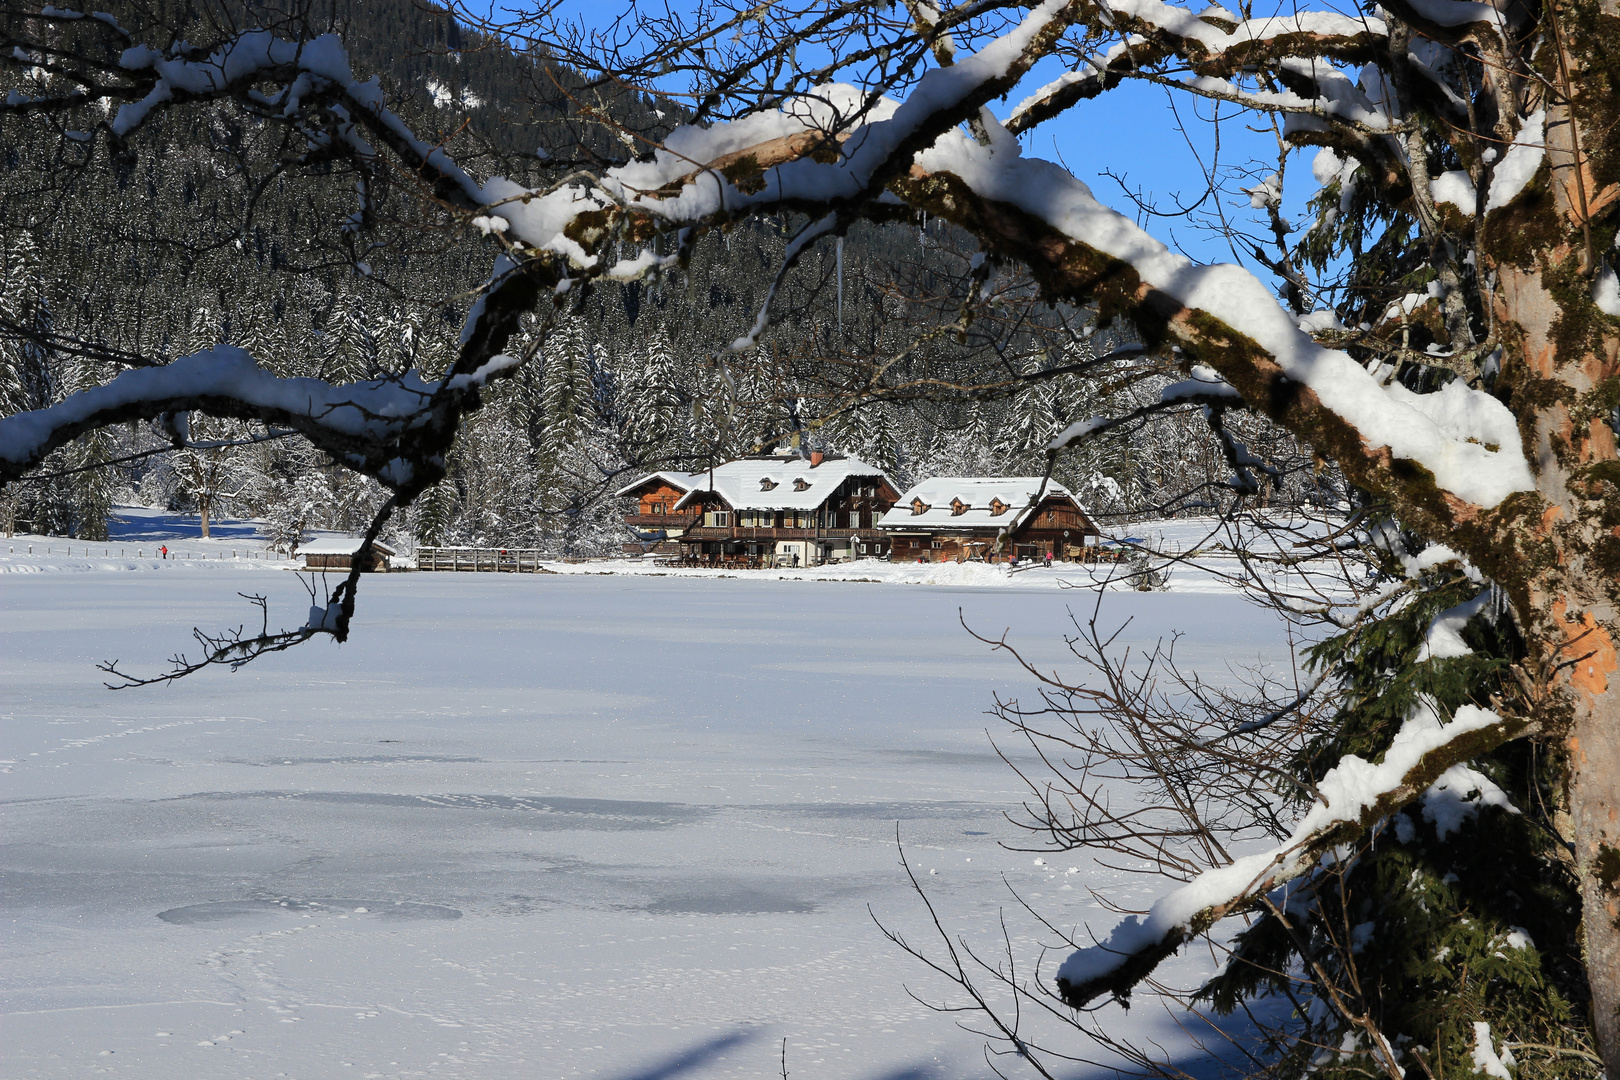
pixel 740 532
pixel 660 521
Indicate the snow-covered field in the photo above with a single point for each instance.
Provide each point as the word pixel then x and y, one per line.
pixel 519 826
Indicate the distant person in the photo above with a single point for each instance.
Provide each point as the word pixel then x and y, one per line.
pixel 165 550
pixel 1049 560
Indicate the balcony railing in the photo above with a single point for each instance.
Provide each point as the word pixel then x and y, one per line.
pixel 741 532
pixel 660 521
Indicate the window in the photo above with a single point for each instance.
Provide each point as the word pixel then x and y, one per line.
pixel 918 507
pixel 767 484
pixel 997 508
pixel 718 519
pixel 958 507
pixel 801 484
pixel 655 508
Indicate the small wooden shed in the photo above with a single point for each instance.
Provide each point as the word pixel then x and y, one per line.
pixel 338 554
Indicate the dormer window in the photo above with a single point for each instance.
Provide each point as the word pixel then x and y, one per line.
pixel 801 484
pixel 997 508
pixel 958 507
pixel 767 484
pixel 918 507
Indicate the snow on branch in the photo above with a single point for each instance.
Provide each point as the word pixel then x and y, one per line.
pixel 1351 798
pixel 367 424
pixel 1205 383
pixel 277 79
pixel 1216 44
pixel 1465 440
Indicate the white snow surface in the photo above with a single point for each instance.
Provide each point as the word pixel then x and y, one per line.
pixel 1518 166
pixel 1454 187
pixel 1606 290
pixel 337 545
pixel 1444 639
pixel 1458 795
pixel 519 825
pixel 1486 1059
pixel 1349 789
pixel 1207 382
pixel 1319 320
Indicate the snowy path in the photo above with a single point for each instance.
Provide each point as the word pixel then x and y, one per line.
pixel 599 826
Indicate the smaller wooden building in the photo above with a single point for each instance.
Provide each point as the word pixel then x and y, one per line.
pixel 952 518
pixel 337 553
pixel 657 525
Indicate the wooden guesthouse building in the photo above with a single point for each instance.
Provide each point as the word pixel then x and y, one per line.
pixel 951 518
pixel 782 509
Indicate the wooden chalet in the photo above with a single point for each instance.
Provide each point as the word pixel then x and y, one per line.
pixel 656 525
pixel 338 554
pixel 952 518
pixel 783 509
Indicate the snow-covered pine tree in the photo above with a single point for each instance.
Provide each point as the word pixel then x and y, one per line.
pixel 1451 932
pixel 565 398
pixel 353 349
pixel 433 513
pixel 93 484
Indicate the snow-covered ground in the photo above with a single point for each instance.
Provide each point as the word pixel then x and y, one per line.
pixel 1196 554
pixel 520 826
pixel 136 533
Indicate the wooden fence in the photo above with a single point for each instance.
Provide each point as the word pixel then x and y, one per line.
pixel 484 560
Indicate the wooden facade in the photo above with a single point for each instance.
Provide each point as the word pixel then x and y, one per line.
pixel 933 523
pixel 843 526
pixel 655 524
pixel 339 555
pixel 780 509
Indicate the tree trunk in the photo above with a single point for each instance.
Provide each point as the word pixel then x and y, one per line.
pixel 202 513
pixel 1568 563
pixel 1594 805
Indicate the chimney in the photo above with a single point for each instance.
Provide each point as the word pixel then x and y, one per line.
pixel 816 458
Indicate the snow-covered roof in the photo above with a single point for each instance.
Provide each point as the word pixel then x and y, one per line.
pixel 680 480
pixel 779 483
pixel 339 545
pixel 969 503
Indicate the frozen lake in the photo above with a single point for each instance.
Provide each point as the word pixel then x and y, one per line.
pixel 533 826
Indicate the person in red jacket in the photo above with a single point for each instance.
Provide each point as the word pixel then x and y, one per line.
pixel 165 550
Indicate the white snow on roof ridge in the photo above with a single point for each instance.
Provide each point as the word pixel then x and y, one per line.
pixel 674 478
pixel 339 545
pixel 977 493
pixel 739 482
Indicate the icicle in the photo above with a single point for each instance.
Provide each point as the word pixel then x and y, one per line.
pixel 839 248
